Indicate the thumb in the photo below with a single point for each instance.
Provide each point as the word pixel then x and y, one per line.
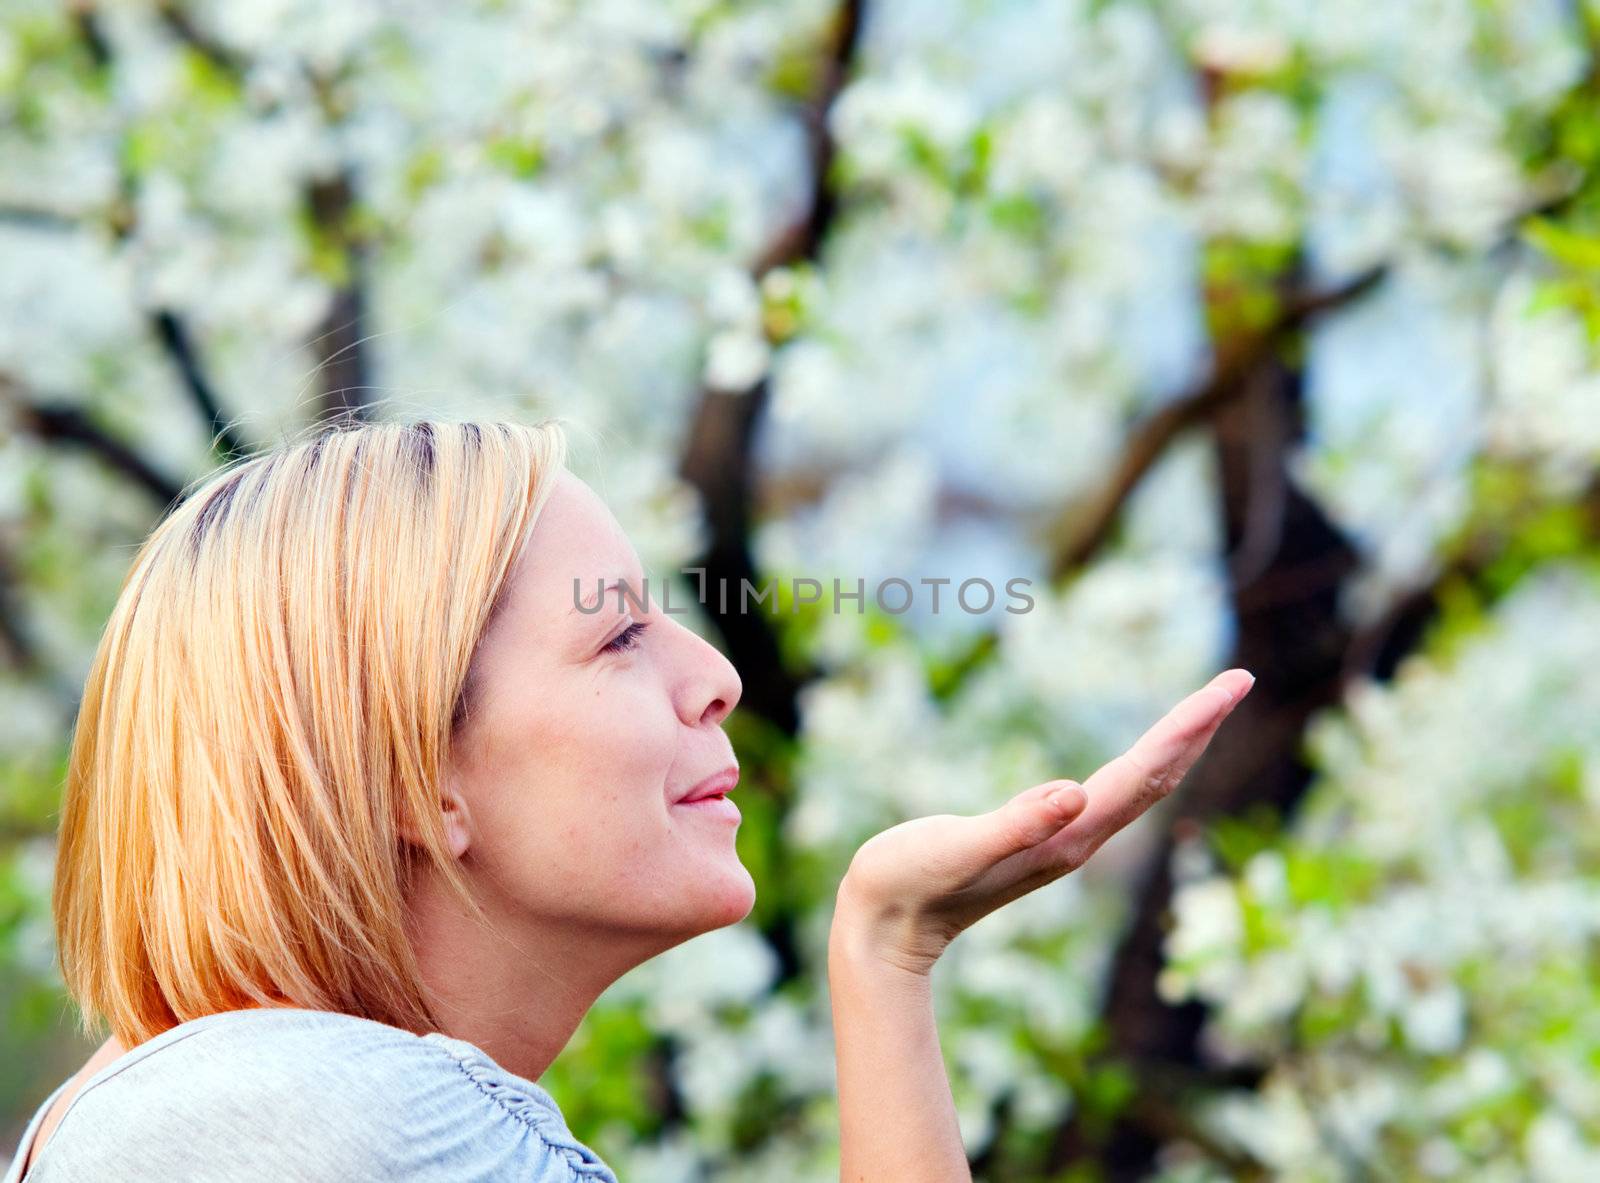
pixel 1029 818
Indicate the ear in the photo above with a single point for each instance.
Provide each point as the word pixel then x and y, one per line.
pixel 457 819
pixel 454 815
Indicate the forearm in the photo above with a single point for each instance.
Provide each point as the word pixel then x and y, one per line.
pixel 911 890
pixel 897 1119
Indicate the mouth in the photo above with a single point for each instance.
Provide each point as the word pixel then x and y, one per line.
pixel 710 796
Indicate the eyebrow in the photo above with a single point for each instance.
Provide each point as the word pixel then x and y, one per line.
pixel 593 604
pixel 634 595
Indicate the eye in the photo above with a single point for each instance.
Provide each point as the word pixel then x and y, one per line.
pixel 628 638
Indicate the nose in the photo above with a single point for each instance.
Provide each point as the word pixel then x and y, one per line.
pixel 710 687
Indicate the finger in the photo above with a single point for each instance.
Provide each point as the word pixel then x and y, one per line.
pixel 1131 783
pixel 1031 817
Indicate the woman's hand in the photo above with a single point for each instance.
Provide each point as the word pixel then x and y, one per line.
pixel 910 890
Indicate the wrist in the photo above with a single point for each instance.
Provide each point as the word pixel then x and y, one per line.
pixel 868 937
pixel 864 983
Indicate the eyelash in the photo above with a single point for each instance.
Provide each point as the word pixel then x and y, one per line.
pixel 628 638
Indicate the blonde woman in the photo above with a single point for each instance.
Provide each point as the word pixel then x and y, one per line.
pixel 366 806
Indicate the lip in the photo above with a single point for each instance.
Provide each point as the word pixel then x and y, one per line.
pixel 715 785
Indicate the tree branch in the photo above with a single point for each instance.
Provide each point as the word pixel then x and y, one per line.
pixel 63 423
pixel 804 239
pixel 340 340
pixel 1082 529
pixel 1291 635
pixel 1378 648
pixel 31 217
pixel 22 651
pixel 175 16
pixel 87 22
pixel 174 338
pixel 13 831
pixel 717 460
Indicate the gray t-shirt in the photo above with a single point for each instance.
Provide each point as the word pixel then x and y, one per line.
pixel 293 1096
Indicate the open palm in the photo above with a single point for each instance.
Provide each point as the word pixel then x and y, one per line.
pixel 916 885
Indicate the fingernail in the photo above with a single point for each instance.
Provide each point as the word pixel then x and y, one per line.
pixel 1228 696
pixel 1058 797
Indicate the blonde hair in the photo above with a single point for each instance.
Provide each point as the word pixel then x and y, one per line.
pixel 256 764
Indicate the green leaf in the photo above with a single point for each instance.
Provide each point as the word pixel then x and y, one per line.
pixel 1563 245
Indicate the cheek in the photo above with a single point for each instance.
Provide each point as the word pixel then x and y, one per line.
pixel 588 772
pixel 618 741
pixel 579 825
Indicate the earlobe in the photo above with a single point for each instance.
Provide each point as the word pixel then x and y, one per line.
pixel 457 820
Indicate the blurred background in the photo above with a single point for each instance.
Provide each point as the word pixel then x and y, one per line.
pixel 1253 332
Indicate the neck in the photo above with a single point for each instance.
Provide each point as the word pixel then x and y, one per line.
pixel 515 988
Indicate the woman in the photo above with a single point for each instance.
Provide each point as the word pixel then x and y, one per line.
pixel 365 807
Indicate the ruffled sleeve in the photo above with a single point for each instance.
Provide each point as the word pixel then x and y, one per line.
pixel 529 1105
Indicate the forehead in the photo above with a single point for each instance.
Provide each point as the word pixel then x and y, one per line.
pixel 575 538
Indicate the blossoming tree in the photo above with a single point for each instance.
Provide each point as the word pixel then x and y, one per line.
pixel 1251 332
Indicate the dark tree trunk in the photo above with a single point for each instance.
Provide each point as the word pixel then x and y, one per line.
pixel 1287 564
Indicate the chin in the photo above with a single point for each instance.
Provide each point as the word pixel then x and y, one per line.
pixel 732 897
pixel 724 897
pixel 692 898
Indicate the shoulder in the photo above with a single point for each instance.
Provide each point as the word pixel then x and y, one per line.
pixel 299 1094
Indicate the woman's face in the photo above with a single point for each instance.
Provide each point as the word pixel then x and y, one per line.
pixel 586 730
